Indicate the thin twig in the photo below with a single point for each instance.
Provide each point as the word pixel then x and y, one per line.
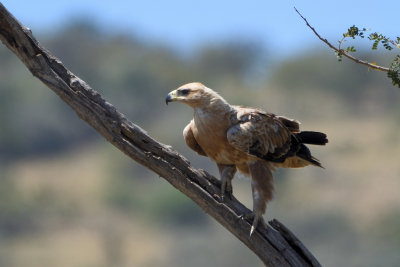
pixel 341 51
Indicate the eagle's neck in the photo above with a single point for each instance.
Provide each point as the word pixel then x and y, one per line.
pixel 214 105
pixel 215 112
pixel 211 122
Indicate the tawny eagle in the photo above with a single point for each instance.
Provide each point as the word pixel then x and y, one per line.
pixel 246 139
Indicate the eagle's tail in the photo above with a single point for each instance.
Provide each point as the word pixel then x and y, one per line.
pixel 312 138
pixel 300 156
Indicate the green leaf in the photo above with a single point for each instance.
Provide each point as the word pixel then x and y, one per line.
pixel 394 71
pixel 350 49
pixel 375 45
pixel 352 32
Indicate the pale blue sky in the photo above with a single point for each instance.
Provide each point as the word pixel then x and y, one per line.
pixel 188 24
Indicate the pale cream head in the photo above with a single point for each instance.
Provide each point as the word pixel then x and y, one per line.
pixel 194 94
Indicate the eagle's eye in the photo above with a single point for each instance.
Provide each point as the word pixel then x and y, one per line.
pixel 184 92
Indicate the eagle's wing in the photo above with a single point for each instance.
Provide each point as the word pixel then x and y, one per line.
pixel 262 134
pixel 190 140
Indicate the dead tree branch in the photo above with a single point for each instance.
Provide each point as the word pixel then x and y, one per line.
pixel 273 246
pixel 341 51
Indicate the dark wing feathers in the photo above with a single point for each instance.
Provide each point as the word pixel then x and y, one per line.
pixel 261 134
pixel 305 153
pixel 273 138
pixel 292 125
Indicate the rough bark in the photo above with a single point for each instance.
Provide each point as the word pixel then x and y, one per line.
pixel 274 246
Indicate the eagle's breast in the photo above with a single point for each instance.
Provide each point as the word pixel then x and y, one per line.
pixel 210 132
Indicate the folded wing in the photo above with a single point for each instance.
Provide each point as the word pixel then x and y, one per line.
pixel 262 134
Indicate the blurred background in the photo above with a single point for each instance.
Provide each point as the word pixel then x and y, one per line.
pixel 69 198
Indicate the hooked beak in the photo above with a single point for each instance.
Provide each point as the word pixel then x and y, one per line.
pixel 170 97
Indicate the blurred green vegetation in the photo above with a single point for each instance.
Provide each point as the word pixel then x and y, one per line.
pixel 68 197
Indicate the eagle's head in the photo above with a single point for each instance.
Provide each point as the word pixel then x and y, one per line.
pixel 194 95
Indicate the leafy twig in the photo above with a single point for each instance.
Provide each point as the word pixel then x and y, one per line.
pixel 341 52
pixel 393 72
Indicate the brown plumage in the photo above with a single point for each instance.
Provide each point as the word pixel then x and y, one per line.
pixel 246 139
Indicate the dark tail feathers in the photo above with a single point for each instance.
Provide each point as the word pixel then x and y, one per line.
pixel 312 138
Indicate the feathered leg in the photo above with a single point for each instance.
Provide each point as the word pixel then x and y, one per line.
pixel 262 185
pixel 226 172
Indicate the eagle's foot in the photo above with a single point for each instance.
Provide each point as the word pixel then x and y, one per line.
pixel 256 217
pixel 226 188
